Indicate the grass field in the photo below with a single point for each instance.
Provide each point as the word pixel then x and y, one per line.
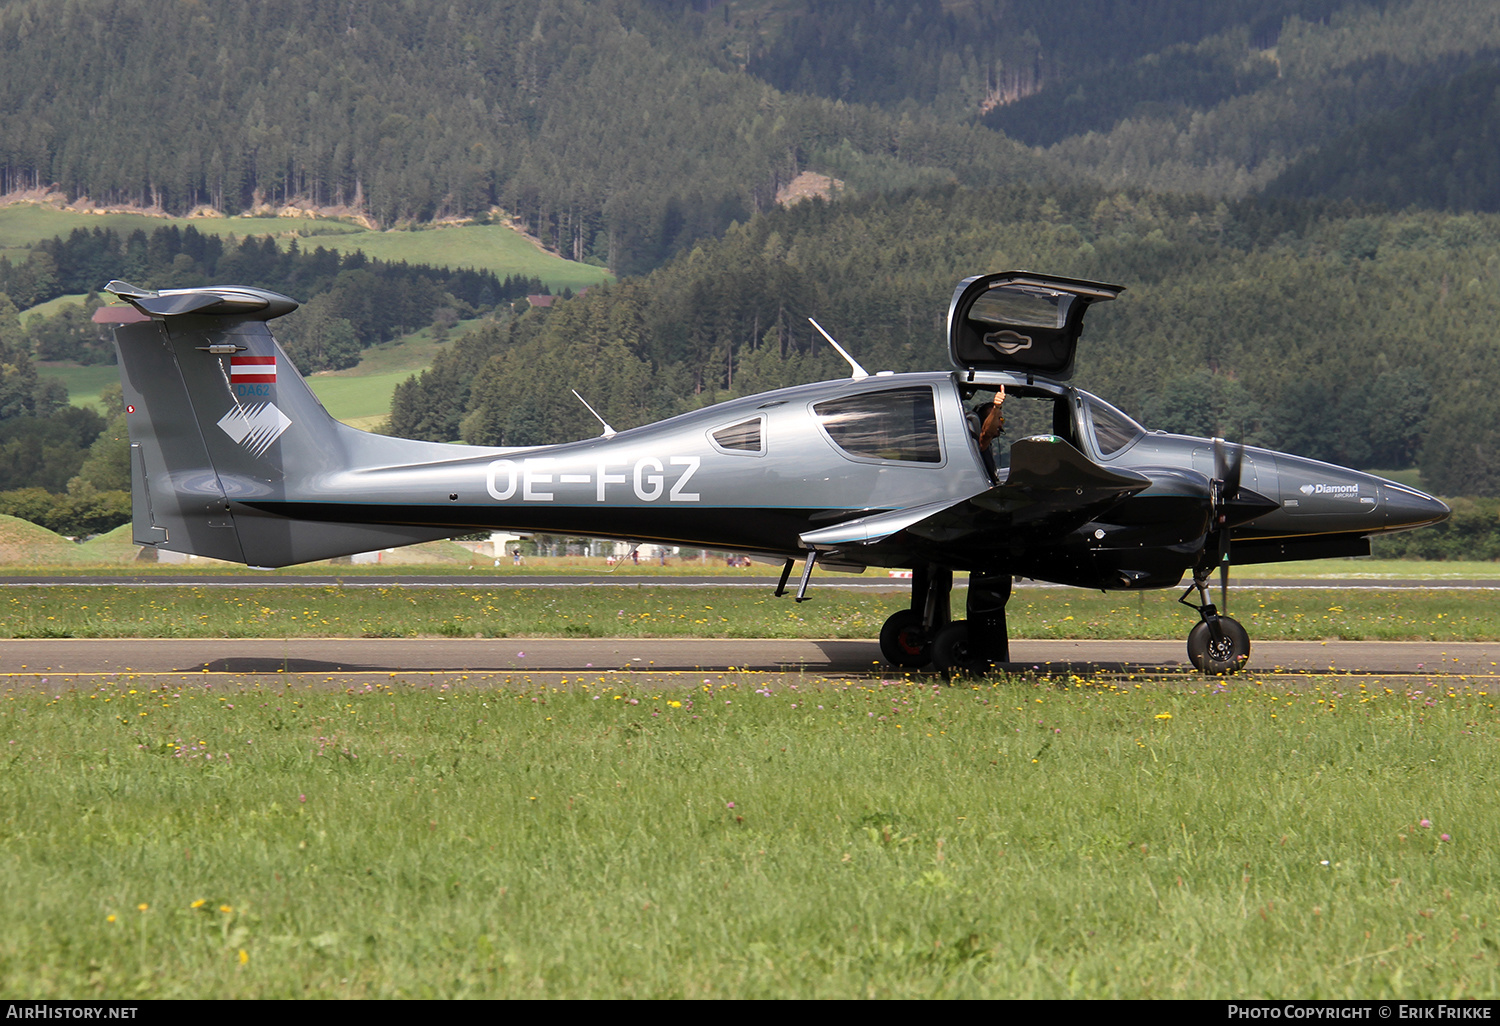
pixel 492 247
pixel 84 383
pixel 751 836
pixel 51 306
pixel 485 247
pixel 360 396
pixel 643 611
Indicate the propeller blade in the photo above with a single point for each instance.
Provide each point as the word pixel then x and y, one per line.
pixel 1229 460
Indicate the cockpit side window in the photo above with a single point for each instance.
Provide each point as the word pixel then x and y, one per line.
pixel 898 424
pixel 1113 431
pixel 747 437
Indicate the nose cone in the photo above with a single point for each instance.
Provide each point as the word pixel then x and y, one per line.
pixel 1405 507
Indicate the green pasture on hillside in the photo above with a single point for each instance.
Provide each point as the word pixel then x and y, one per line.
pixel 750 836
pixel 484 247
pixel 84 383
pixel 23 225
pixel 488 247
pixel 361 399
pixel 360 395
pixel 52 306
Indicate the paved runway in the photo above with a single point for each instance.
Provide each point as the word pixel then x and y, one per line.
pixel 346 662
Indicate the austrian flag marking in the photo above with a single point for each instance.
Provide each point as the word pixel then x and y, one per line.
pixel 252 370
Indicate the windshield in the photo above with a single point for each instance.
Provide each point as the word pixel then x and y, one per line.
pixel 1113 431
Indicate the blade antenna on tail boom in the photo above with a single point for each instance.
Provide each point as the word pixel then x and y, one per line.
pixel 609 432
pixel 859 373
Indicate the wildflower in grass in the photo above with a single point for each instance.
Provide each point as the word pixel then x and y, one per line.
pixel 142 907
pixel 109 918
pixel 1164 716
pixel 1425 824
pixel 199 903
pixel 1444 837
pixel 225 909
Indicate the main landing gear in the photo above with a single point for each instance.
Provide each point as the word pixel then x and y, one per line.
pixel 1217 643
pixel 926 633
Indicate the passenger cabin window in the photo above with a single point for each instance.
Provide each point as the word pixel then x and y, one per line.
pixel 743 437
pixel 1113 431
pixel 899 424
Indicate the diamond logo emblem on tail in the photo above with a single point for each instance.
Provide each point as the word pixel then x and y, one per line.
pixel 255 426
pixel 252 370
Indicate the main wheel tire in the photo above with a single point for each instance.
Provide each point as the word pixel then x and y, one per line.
pixel 952 654
pixel 904 641
pixel 1228 654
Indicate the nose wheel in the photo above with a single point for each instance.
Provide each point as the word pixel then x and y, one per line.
pixel 1217 644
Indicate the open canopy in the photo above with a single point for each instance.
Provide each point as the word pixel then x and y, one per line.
pixel 1019 321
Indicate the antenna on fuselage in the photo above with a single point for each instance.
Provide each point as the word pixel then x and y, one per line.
pixel 609 432
pixel 859 372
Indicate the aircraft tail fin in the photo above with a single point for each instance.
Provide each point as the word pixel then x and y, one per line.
pixel 223 428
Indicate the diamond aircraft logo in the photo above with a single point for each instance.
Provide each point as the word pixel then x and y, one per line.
pixel 1345 491
pixel 255 426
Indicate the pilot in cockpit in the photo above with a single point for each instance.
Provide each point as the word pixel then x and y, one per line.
pixel 986 422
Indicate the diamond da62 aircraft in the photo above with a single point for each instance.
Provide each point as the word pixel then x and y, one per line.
pixel 233 457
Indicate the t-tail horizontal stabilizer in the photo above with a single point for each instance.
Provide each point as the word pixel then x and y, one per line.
pixel 220 421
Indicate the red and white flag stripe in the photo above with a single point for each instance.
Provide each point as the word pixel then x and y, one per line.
pixel 252 370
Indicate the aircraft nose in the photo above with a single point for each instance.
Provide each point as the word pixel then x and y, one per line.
pixel 1407 507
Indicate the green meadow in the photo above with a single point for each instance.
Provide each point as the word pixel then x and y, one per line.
pixel 483 247
pixel 362 395
pixel 751 836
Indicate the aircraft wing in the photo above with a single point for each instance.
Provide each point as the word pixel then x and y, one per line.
pixel 1051 489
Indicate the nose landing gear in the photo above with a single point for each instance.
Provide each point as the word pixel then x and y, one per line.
pixel 1217 643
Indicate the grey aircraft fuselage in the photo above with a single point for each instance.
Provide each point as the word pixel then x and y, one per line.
pixel 233 457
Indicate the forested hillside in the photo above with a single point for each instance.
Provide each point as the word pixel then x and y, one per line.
pixel 623 131
pixel 614 129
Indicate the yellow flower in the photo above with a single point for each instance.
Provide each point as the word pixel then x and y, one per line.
pixel 244 956
pixel 1164 716
pixel 199 903
pixel 109 918
pixel 143 906
pixel 225 909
